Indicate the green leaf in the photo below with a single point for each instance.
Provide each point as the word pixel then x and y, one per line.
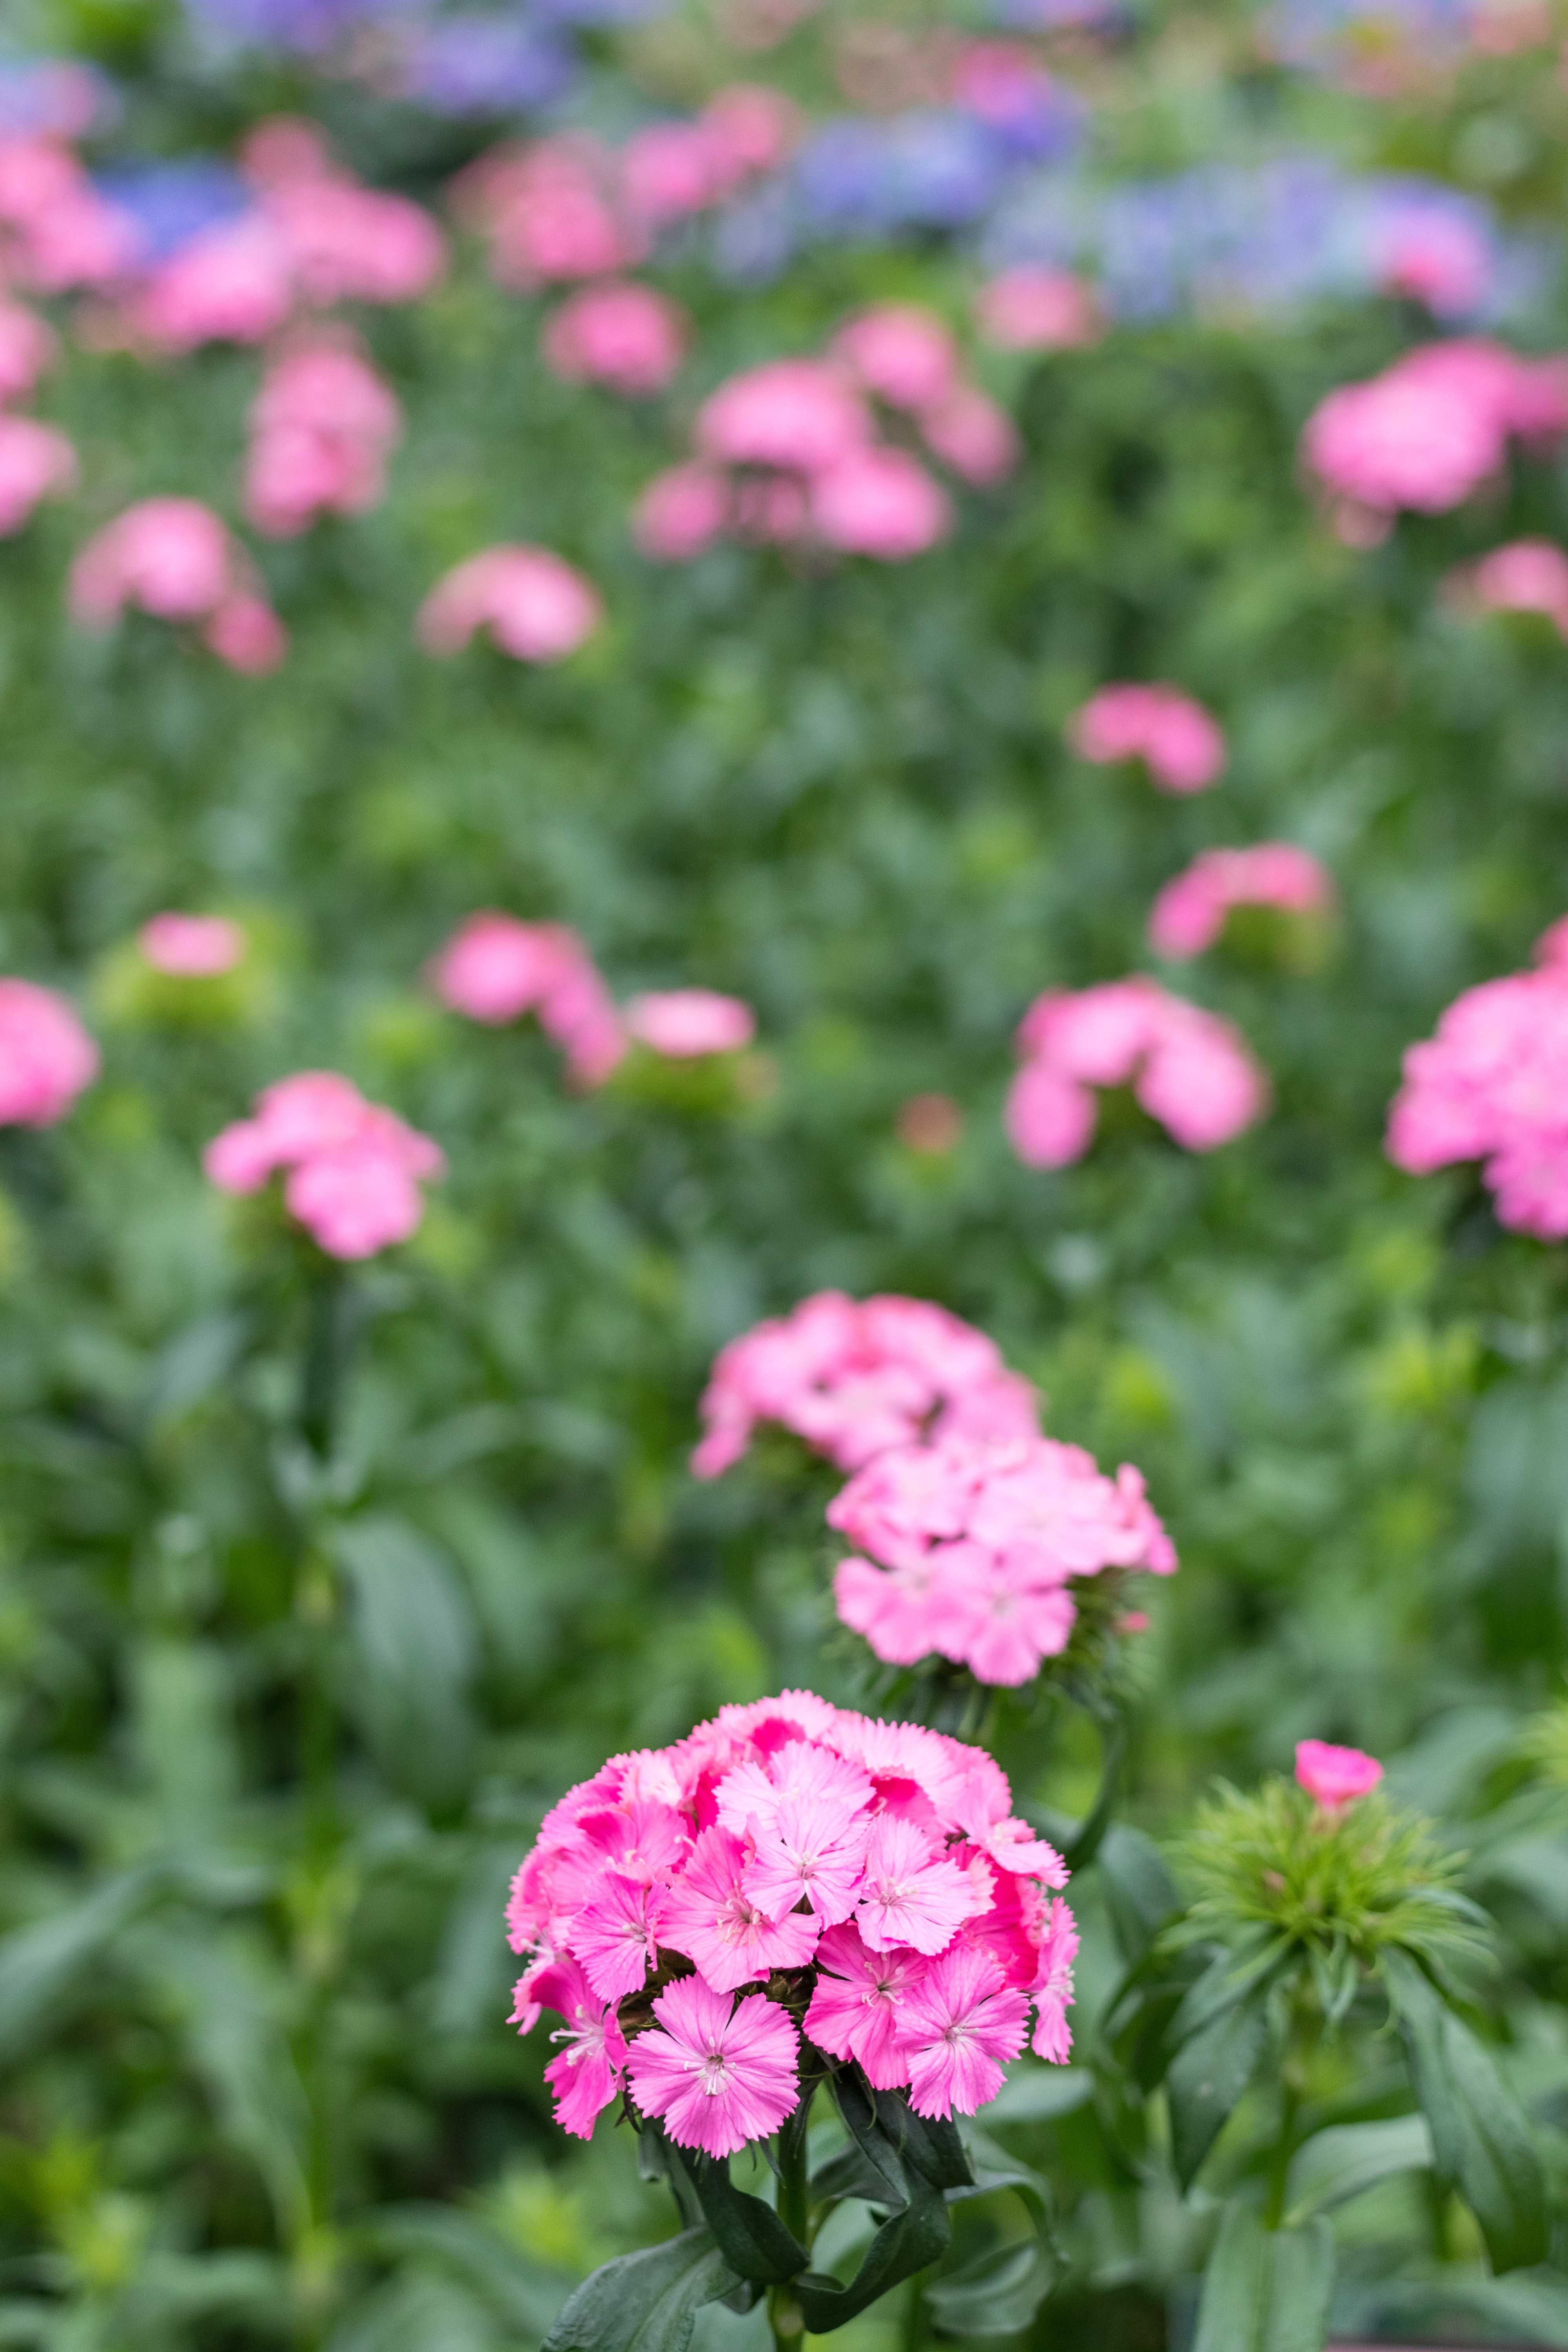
pixel 752 2238
pixel 1141 1894
pixel 646 2302
pixel 1266 2290
pixel 1480 2136
pixel 908 2241
pixel 1208 2077
pixel 999 2293
pixel 1340 2162
pixel 414 1654
pixel 43 1965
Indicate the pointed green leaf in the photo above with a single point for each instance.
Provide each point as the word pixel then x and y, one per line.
pixel 646 2302
pixel 752 2238
pixel 1141 1894
pixel 1000 2293
pixel 1338 2164
pixel 1480 2136
pixel 1207 2078
pixel 906 2242
pixel 1266 2290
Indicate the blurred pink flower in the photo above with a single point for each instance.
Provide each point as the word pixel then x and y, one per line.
pixel 1527 575
pixel 931 1123
pixel 322 426
pixel 682 511
pixel 191 947
pixel 46 1055
pixel 669 171
pixel 1188 1069
pixel 175 559
pixel 1335 1777
pixel 1431 428
pixel 353 1169
pixel 901 353
pixel 246 633
pixel 495 968
pixel 798 415
pixel 879 502
pixel 35 463
pixel 27 346
pixel 750 129
pixel 350 244
pixel 1178 743
pixel 536 607
pixel 1190 912
pixel 1032 308
pixel 974 436
pixel 231 283
pixel 551 212
pixel 55 230
pixel 624 335
pixel 686 1022
pixel 1442 262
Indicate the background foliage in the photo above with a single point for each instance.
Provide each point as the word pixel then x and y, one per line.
pixel 260 2088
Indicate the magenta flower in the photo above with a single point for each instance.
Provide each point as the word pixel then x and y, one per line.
pixel 322 428
pixel 901 354
pixel 1187 1068
pixel 27 346
pixel 960 2025
pixel 684 1023
pixel 1033 308
pixel 629 338
pixel 191 947
pixel 719 2072
pixel 35 463
pixel 535 606
pixel 1053 1986
pixel 853 1377
pixel 1431 428
pixel 714 1919
pixel 859 1998
pixel 785 1841
pixel 1190 912
pixel 353 1169
pixel 797 415
pixel 495 968
pixel 1178 743
pixel 175 559
pixel 46 1055
pixel 1334 1776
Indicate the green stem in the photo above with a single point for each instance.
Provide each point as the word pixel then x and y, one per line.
pixel 326 1352
pixel 784 2316
pixel 1284 2149
pixel 912 2328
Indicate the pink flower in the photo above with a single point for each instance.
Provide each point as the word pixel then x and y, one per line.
pixel 1334 1776
pixel 351 1168
pixel 1053 1986
pixel 1527 575
pixel 172 557
pixel 495 968
pixel 902 354
pixel 970 1550
pixel 1037 310
pixel 798 415
pixel 1431 428
pixel 750 129
pixel 853 1377
pixel 551 212
pixel 626 336
pixel 246 633
pixel 231 283
pixel 959 2027
pixel 46 1055
pixel 715 1921
pixel 1492 1085
pixel 349 244
pixel 879 502
pixel 970 433
pixel 191 947
pixel 682 511
pixel 27 346
pixel 1178 743
pixel 687 1022
pixel 901 1840
pixel 1188 1069
pixel 322 428
pixel 858 2002
pixel 669 171
pixel 1434 258
pixel 591 2069
pixel 1190 912
pixel 36 462
pixel 721 2072
pixel 536 607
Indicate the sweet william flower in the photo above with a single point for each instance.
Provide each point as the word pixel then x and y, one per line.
pixel 960 2026
pixel 586 2075
pixel 495 968
pixel 879 502
pixel 684 1023
pixel 27 347
pixel 1333 1777
pixel 714 1918
pixel 46 1055
pixel 1034 309
pixel 901 353
pixel 1187 1068
pixel 35 463
pixel 536 607
pixel 720 2072
pixel 628 337
pixel 682 512
pixel 856 2010
pixel 1180 746
pixel 351 1169
pixel 191 947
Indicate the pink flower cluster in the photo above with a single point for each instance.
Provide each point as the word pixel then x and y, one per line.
pixel 977 1545
pixel 496 968
pixel 793 452
pixel 175 559
pixel 46 1055
pixel 1188 1068
pixel 1430 429
pixel 627 337
pixel 570 207
pixel 1033 308
pixel 56 231
pixel 191 947
pixel 36 460
pixel 1492 1085
pixel 1190 912
pixel 853 1377
pixel 535 606
pixel 353 1169
pixel 1178 743
pixel 686 1024
pixel 315 237
pixel 322 429
pixel 1527 575
pixel 1335 1777
pixel 789 1870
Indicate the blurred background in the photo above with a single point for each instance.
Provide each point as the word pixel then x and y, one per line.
pixel 316 1589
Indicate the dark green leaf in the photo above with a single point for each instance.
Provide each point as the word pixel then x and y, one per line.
pixel 1480 2136
pixel 646 2302
pixel 1207 2078
pixel 1141 1894
pixel 1338 2164
pixel 44 1965
pixel 1266 2290
pixel 999 2293
pixel 752 2238
pixel 414 1654
pixel 907 2241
